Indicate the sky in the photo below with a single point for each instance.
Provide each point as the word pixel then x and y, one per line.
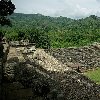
pixel 67 8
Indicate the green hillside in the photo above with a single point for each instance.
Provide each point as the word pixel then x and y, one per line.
pixel 57 32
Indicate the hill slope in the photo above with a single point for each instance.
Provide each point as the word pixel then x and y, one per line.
pixel 62 31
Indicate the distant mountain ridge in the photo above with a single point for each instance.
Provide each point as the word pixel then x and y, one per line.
pixel 60 22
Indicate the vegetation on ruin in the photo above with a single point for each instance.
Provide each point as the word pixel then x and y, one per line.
pixel 94 75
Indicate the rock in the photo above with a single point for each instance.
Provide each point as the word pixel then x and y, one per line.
pixel 9 70
pixel 41 58
pixel 60 97
pixel 68 84
pixel 50 78
pixel 14 43
pixel 85 57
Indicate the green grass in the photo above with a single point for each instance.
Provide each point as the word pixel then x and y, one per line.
pixel 94 75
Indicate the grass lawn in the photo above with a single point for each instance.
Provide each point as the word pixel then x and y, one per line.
pixel 94 75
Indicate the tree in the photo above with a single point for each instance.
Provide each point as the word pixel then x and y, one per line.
pixel 6 8
pixel 40 38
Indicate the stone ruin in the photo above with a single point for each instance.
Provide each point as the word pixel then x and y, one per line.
pixel 86 57
pixel 44 77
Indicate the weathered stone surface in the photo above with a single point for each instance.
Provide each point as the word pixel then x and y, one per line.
pixel 68 85
pixel 20 43
pixel 49 63
pixel 86 57
pixel 44 72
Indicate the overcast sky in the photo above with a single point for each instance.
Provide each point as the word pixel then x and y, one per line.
pixel 67 8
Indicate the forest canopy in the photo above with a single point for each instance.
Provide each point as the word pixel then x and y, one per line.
pixel 54 32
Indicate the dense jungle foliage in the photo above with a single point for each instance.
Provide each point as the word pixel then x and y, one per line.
pixel 54 32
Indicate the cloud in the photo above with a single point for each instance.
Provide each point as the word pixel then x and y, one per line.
pixel 68 8
pixel 98 0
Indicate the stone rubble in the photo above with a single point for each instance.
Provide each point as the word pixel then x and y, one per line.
pixel 84 57
pixel 42 71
